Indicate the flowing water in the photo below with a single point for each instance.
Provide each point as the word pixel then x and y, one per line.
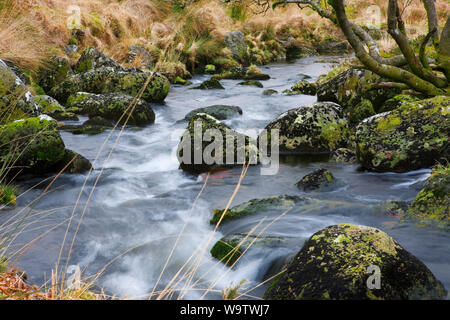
pixel 142 202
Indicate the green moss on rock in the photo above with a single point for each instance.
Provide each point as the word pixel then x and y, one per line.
pixel 108 80
pixel 411 137
pixel 361 111
pixel 318 180
pixel 230 248
pixel 333 264
pixel 32 145
pixel 112 106
pixel 313 129
pixel 432 204
pixel 255 206
pixel 233 149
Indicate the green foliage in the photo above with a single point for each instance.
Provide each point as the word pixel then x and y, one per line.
pixel 8 195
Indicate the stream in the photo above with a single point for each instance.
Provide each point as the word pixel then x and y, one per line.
pixel 142 201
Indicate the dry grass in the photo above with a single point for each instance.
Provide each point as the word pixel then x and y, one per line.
pixel 32 29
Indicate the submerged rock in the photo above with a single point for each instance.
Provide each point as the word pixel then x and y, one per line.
pixel 260 205
pixel 196 154
pixel 354 85
pixel 269 92
pixel 432 204
pixel 313 129
pixel 411 137
pixel 112 106
pixel 253 83
pixel 210 84
pixel 108 80
pixel 220 112
pixel 318 180
pixel 91 58
pixel 230 248
pixel 336 263
pixel 16 102
pixel 394 208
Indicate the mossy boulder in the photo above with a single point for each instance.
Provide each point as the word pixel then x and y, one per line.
pixel 253 83
pixel 48 104
pixel 32 145
pixel 53 71
pixel 196 154
pixel 108 80
pixel 209 84
pixel 230 248
pixel 16 102
pixel 303 87
pixel 335 263
pixel 220 112
pixel 354 85
pixel 242 73
pixel 344 155
pixel 255 206
pixel 91 58
pixel 396 101
pixel 313 129
pixel 411 137
pixel 432 204
pixel 75 162
pixel 51 107
pixel 318 180
pixel 361 111
pixel 112 106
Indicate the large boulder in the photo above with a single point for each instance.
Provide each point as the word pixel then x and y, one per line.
pixel 108 80
pixel 112 106
pixel 53 72
pixel 354 85
pixel 235 41
pixel 16 102
pixel 196 153
pixel 92 58
pixel 411 137
pixel 312 129
pixel 432 204
pixel 220 112
pixel 32 145
pixel 336 263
